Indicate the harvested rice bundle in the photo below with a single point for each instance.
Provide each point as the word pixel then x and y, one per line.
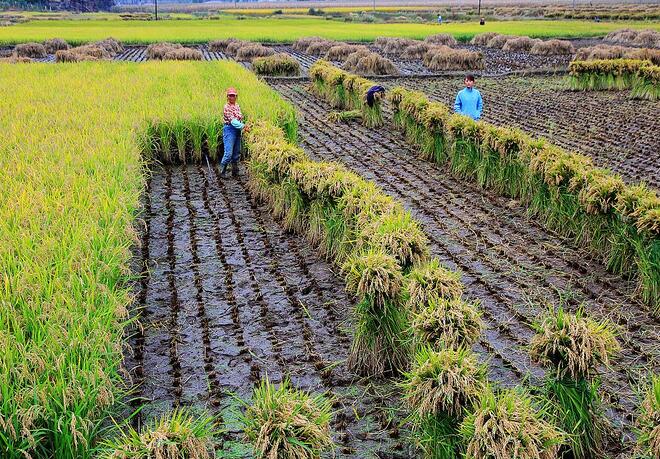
pixel 622 36
pixel 252 51
pixel 440 387
pixel 183 54
pixel 82 53
pixel 573 347
pixel 279 65
pixel 650 38
pixel 15 60
pixel 648 440
pixel 446 58
pixel 519 44
pixel 508 425
pixel 33 50
pixel 302 43
pixel 398 45
pixel 482 39
pixel 287 422
pixel 111 45
pixel 55 44
pixel 441 39
pixel 320 47
pixel 498 41
pixel 220 46
pixel 430 281
pixel 158 50
pixel 368 63
pixel 416 51
pixel 553 48
pixel 340 52
pixel 234 46
pixel 447 323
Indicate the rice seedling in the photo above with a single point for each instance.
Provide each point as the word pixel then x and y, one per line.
pixel 648 438
pixel 66 291
pixel 429 282
pixel 570 194
pixel 439 388
pixel 446 58
pixel 519 44
pixel 441 39
pixel 284 422
pixel 368 63
pixel 178 434
pixel 252 51
pixel 573 347
pixel 276 65
pixel 482 39
pixel 447 323
pixel 32 50
pixel 509 425
pixel 553 48
pixel 55 44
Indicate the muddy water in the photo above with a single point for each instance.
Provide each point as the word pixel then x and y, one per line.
pixel 510 263
pixel 231 297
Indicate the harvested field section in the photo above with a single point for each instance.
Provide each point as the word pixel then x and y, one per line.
pixel 232 297
pixel 510 263
pixel 619 133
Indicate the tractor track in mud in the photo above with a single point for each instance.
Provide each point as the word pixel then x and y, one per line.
pixel 231 297
pixel 617 132
pixel 510 263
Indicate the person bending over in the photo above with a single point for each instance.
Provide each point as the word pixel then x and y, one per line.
pixel 468 101
pixel 231 133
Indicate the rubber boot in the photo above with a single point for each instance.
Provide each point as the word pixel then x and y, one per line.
pixel 234 169
pixel 223 171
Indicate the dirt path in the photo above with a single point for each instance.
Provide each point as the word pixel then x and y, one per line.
pixel 509 262
pixel 616 131
pixel 233 297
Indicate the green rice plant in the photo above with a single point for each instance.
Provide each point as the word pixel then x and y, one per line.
pixel 439 388
pixel 213 138
pixel 573 347
pixel 379 341
pixel 284 422
pixel 447 323
pixel 509 425
pixel 67 227
pixel 431 281
pixel 175 435
pixel 648 438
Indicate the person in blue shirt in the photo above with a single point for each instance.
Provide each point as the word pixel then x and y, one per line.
pixel 468 101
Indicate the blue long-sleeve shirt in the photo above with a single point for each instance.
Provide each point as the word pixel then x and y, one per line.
pixel 468 102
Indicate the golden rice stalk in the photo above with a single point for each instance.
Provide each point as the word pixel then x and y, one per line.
pixel 429 281
pixel 507 426
pixel 375 275
pixel 648 440
pixel 447 323
pixel 508 142
pixel 447 381
pixel 397 234
pixel 364 203
pixel 597 189
pixel 284 422
pixel 573 345
pixel 395 96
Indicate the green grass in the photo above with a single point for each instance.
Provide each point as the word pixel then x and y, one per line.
pixel 287 29
pixel 70 177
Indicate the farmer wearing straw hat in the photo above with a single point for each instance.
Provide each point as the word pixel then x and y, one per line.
pixel 231 132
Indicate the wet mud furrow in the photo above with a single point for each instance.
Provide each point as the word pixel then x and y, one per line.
pixel 509 262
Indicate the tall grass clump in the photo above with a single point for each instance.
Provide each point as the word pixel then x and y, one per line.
pixel 648 435
pixel 175 435
pixel 276 65
pixel 509 424
pixel 344 90
pixel 573 347
pixel 620 223
pixel 284 422
pixel 71 174
pixel 441 387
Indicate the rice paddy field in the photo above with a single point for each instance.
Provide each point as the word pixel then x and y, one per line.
pixel 369 283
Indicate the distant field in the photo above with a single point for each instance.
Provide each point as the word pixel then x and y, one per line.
pixel 288 29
